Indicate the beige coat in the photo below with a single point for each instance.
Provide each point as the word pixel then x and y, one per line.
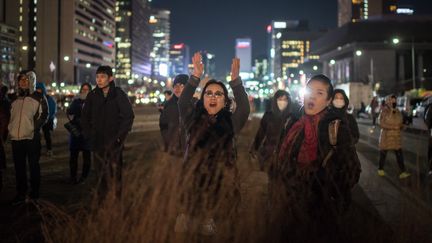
pixel 391 125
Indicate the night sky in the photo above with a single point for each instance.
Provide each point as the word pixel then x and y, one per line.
pixel 213 25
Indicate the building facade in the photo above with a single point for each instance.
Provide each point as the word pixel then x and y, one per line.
pixel 160 28
pixel 179 59
pixel 64 41
pixel 133 41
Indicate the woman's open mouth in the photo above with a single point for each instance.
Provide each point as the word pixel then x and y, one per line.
pixel 310 105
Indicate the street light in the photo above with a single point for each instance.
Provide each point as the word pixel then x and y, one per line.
pixel 396 41
pixel 358 53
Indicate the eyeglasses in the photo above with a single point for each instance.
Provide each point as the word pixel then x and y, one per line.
pixel 216 94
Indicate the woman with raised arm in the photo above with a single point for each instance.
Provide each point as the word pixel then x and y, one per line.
pixel 209 170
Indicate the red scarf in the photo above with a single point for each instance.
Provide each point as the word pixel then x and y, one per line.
pixel 309 148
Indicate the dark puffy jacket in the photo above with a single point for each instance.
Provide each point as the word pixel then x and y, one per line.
pixel 106 121
pixel 346 117
pixel 169 120
pixel 77 143
pixel 273 127
pixel 52 105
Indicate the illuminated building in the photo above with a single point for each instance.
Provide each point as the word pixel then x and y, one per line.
pixel 356 10
pixel 179 59
pixel 289 47
pixel 8 53
pixel 81 37
pixel 133 40
pixel 159 56
pixel 243 50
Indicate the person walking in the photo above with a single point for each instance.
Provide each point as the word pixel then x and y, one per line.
pixel 78 143
pixel 391 123
pixel 48 127
pixel 29 113
pixel 172 135
pixel 210 175
pixel 106 120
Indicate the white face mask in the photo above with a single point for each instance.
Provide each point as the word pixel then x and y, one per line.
pixel 282 104
pixel 338 103
pixel 83 96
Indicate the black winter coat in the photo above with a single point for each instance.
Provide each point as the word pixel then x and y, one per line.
pixel 77 143
pixel 169 120
pixel 106 121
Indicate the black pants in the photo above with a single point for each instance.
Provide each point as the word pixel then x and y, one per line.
pixel 108 164
pixel 47 129
pixel 430 153
pixel 73 163
pixel 27 151
pixel 399 159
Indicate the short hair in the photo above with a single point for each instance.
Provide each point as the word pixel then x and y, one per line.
pixel 168 92
pixel 325 80
pixel 105 70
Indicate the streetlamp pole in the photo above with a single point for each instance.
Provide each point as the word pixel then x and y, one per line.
pixel 413 64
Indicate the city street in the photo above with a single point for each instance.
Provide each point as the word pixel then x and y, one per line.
pixel 399 209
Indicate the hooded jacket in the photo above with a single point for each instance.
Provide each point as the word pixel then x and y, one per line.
pixel 273 127
pixel 52 106
pixel 29 112
pixel 346 117
pixel 391 124
pixel 106 120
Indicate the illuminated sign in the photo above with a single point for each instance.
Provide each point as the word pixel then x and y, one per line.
pixel 405 11
pixel 269 29
pixel 279 25
pixel 179 46
pixel 108 44
pixel 243 44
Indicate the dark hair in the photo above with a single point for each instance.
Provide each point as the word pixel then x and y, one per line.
pixel 22 74
pixel 225 90
pixel 85 84
pixel 325 80
pixel 105 70
pixel 281 93
pixel 4 89
pixel 168 92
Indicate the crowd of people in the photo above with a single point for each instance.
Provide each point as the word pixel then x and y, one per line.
pixel 308 151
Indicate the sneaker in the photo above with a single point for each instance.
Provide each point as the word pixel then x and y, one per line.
pixel 208 227
pixel 404 175
pixel 18 200
pixel 381 173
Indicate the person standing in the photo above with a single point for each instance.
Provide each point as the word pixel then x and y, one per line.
pixel 173 137
pixel 78 144
pixel 390 139
pixel 374 109
pixel 273 127
pixel 428 121
pixel 106 120
pixel 48 127
pixel 29 113
pixel 5 107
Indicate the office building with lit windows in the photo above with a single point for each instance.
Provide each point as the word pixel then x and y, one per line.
pixel 8 53
pixel 179 59
pixel 133 41
pixel 81 37
pixel 289 47
pixel 209 61
pixel 356 10
pixel 243 50
pixel 160 27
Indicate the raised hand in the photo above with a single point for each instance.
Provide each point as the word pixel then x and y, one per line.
pixel 198 67
pixel 235 68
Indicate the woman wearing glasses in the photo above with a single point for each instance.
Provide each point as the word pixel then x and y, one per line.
pixel 209 171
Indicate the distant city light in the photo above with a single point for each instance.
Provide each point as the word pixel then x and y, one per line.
pixel 269 29
pixel 62 84
pixel 280 25
pixel 279 35
pixel 301 72
pixel 407 11
pixel 25 48
pixel 88 65
pixel 179 46
pixel 130 81
pixel 332 62
pixel 395 41
pixel 315 67
pixel 243 44
pixel 358 53
pixel 66 58
pixel 54 85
